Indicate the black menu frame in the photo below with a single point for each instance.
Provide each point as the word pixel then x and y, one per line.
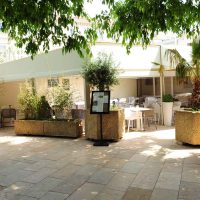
pixel 100 102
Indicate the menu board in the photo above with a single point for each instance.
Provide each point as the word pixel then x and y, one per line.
pixel 100 102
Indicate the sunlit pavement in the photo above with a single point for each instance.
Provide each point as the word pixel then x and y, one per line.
pixel 143 165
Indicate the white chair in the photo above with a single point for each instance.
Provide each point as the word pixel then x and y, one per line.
pixel 122 102
pixel 150 117
pixel 157 110
pixel 145 104
pixel 139 120
pixel 177 103
pixel 131 116
pixel 131 101
pixel 150 100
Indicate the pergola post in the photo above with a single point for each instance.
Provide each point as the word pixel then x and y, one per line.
pixel 154 87
pixel 87 95
pixel 172 85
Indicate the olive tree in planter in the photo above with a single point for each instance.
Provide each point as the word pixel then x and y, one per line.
pixel 101 74
pixel 187 123
pixel 167 109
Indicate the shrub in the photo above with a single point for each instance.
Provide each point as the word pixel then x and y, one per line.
pixel 28 101
pixel 167 98
pixel 60 97
pixel 44 109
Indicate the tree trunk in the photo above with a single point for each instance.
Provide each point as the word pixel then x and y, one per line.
pixel 195 99
pixel 101 87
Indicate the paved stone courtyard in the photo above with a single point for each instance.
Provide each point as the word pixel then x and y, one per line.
pixel 146 165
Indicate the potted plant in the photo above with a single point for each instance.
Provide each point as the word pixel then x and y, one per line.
pixel 101 74
pixel 38 119
pixel 167 109
pixel 187 123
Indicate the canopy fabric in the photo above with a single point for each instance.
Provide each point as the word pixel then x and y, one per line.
pixel 54 63
pixel 137 64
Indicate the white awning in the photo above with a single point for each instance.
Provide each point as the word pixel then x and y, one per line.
pixel 53 63
pixel 139 63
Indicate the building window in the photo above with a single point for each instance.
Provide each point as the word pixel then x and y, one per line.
pixel 65 83
pixel 52 82
pixel 148 81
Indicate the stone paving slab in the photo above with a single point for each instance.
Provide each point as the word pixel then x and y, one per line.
pixel 137 194
pixel 132 167
pixel 40 189
pixel 145 179
pixel 164 194
pixel 189 191
pixel 102 176
pixel 141 166
pixel 191 173
pixel 71 184
pixel 109 194
pixel 168 180
pixel 54 196
pixel 87 191
pixel 121 181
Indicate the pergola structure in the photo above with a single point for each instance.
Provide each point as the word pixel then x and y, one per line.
pixel 137 64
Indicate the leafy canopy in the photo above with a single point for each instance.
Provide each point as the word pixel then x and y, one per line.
pixel 138 22
pixel 101 72
pixel 38 24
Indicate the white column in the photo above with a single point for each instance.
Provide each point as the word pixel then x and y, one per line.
pixel 154 87
pixel 161 93
pixel 162 86
pixel 172 85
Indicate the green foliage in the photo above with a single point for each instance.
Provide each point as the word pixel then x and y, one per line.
pixel 39 24
pixel 185 70
pixel 196 109
pixel 167 98
pixel 60 97
pixel 101 73
pixel 196 56
pixel 137 22
pixel 44 109
pixel 28 101
pixel 36 107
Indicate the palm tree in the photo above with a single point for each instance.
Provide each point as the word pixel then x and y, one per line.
pixel 186 71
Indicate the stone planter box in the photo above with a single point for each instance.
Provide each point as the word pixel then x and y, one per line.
pixel 187 127
pixel 113 125
pixel 49 128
